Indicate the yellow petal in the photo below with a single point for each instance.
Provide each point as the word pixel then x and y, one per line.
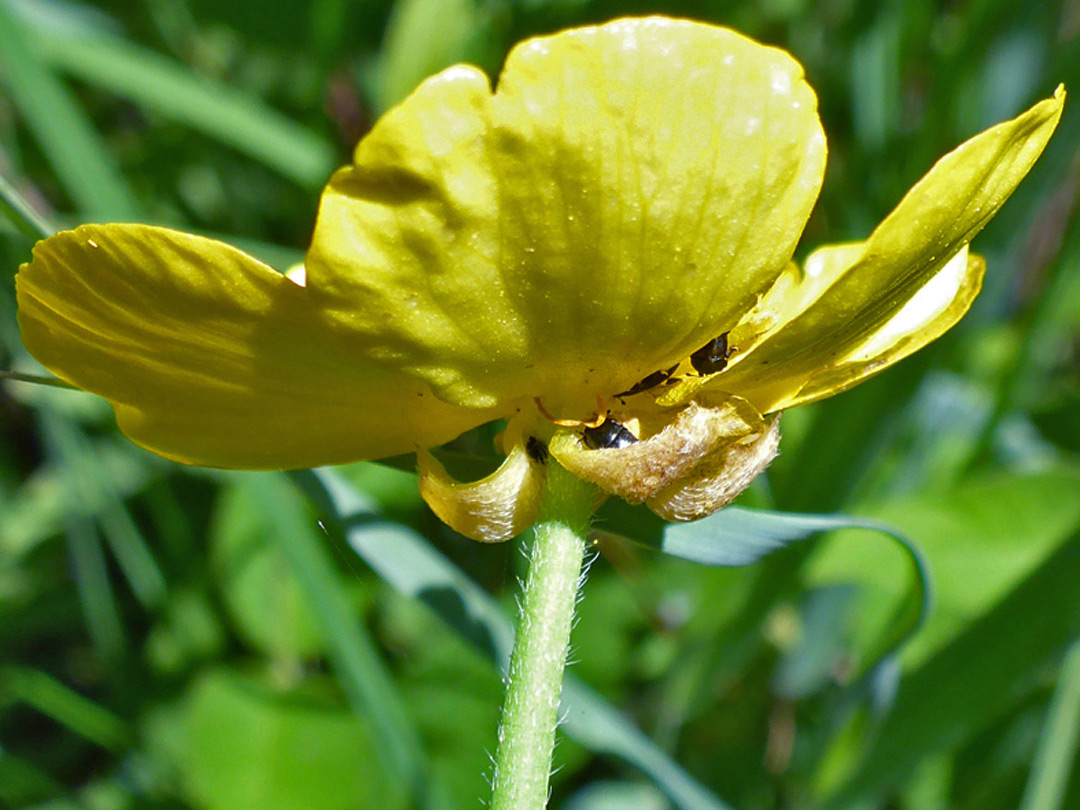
pixel 492 510
pixel 869 284
pixel 621 199
pixel 211 357
pixel 929 314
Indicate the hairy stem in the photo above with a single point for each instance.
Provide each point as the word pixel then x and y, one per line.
pixel 530 714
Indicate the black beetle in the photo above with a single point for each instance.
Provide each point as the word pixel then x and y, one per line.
pixel 713 356
pixel 608 436
pixel 653 380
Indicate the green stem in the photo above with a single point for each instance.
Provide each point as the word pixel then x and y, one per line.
pixel 37 379
pixel 530 714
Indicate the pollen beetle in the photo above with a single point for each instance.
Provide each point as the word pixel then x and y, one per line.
pixel 608 436
pixel 536 450
pixel 713 356
pixel 653 380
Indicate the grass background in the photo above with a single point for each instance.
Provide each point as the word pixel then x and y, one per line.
pixel 181 638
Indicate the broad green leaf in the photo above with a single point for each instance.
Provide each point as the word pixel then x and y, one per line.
pixel 258 585
pixel 736 536
pixel 996 662
pixel 238 745
pixel 980 540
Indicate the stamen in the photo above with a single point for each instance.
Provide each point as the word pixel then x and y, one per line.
pixel 596 421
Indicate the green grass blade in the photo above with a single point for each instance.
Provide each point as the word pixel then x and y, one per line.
pixel 1056 754
pixel 96 594
pixel 361 671
pixel 409 563
pixel 46 694
pixel 173 91
pixel 67 138
pixel 20 213
pixel 130 548
pixel 422 37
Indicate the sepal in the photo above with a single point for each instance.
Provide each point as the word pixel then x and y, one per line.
pixel 493 509
pixel 687 449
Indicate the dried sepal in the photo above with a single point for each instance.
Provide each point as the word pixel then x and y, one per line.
pixel 644 469
pixel 493 509
pixel 719 478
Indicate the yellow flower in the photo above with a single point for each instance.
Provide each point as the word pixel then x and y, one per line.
pixel 598 251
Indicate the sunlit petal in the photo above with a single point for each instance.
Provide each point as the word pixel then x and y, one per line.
pixel 211 357
pixel 647 174
pixel 927 316
pixel 873 282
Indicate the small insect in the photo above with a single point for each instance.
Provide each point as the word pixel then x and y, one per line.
pixel 713 356
pixel 653 380
pixel 537 450
pixel 611 435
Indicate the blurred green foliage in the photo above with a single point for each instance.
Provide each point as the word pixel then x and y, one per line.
pixel 175 637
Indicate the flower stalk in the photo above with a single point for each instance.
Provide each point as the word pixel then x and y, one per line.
pixel 530 713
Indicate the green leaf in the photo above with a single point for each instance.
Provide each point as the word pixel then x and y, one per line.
pixel 737 536
pixel 980 539
pixel 237 745
pixel 259 587
pixel 991 666
pixel 410 564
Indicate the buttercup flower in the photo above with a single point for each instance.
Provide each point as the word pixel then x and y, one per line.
pixel 599 251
